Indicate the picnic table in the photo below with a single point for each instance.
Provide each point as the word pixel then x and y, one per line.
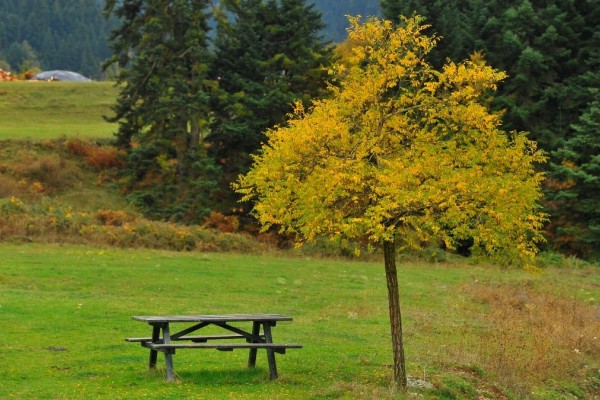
pixel 258 337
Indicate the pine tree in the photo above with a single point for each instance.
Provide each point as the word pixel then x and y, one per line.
pixel 162 51
pixel 575 187
pixel 268 55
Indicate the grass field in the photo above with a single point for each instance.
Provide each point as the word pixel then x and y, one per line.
pixel 473 332
pixel 42 110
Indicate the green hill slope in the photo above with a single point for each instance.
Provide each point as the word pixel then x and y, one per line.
pixel 43 110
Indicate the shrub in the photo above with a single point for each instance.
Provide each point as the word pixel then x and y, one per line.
pixel 49 221
pixel 224 223
pixel 114 218
pixel 101 158
pixel 12 205
pixel 51 172
pixel 77 147
pixel 97 157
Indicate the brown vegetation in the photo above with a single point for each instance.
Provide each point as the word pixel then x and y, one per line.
pixel 29 175
pixel 95 156
pixel 221 222
pixel 532 337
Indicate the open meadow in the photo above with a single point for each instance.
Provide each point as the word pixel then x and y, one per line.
pixel 471 331
pixel 41 110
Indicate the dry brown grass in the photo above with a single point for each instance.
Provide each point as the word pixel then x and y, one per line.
pixel 532 337
pixel 9 186
pixel 30 174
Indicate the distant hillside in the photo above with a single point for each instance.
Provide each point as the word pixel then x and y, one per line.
pixel 72 34
pixel 58 34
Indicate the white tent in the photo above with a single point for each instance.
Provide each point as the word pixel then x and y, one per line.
pixel 60 76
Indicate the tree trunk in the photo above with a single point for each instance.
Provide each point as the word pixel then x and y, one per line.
pixel 181 148
pixel 389 252
pixel 195 135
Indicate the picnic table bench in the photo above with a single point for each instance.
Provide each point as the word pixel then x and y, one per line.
pixel 164 341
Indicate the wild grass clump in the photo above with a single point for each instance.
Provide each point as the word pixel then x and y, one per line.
pixel 547 259
pixel 29 170
pixel 9 186
pixel 531 338
pixel 31 174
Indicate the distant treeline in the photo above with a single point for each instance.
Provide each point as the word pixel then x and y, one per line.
pixel 59 34
pixel 72 34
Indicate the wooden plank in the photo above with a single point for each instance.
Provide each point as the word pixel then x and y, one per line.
pixel 211 318
pixel 153 353
pixel 256 333
pixel 164 346
pixel 239 331
pixel 168 354
pixel 270 352
pixel 189 330
pixel 197 338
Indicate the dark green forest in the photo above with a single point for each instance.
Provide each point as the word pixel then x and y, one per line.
pixel 60 34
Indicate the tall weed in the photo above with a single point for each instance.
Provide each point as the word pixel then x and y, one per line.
pixel 530 337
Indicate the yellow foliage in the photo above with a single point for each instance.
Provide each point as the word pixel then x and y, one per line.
pixel 401 147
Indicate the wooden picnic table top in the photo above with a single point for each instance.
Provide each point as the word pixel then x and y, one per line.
pixel 212 318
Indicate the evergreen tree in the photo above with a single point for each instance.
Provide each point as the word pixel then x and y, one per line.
pixel 576 184
pixel 458 22
pixel 23 56
pixel 268 55
pixel 162 51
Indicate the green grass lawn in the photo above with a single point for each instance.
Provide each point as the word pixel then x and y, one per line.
pixel 65 312
pixel 42 110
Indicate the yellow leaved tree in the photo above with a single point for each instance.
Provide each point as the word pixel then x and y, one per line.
pixel 401 154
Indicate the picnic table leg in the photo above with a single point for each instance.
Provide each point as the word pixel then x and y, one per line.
pixel 270 352
pixel 255 333
pixel 168 353
pixel 154 353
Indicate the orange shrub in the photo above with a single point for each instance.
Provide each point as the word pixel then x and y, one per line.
pixel 77 147
pixel 98 157
pixel 113 217
pixel 224 223
pixel 104 157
